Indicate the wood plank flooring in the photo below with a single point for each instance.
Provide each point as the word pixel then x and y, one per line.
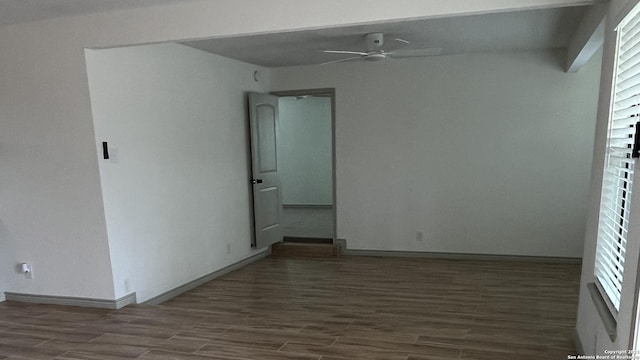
pixel 347 308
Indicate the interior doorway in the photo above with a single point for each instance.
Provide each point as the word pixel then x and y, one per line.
pixel 306 158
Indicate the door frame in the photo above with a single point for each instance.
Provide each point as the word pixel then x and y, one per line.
pixel 332 94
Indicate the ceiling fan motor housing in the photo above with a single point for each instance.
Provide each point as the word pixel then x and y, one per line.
pixel 374 57
pixel 374 41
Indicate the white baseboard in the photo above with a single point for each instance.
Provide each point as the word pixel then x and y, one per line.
pixel 453 256
pixel 131 298
pixel 72 301
pixel 157 300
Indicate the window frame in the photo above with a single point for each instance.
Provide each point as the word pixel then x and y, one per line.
pixel 631 11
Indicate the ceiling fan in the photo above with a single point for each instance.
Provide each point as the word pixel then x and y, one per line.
pixel 375 52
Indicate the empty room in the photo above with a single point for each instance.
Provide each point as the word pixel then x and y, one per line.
pixel 224 179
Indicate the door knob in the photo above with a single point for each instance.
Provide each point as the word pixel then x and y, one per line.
pixel 256 181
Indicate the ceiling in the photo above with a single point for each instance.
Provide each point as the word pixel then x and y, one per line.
pixel 522 30
pixel 17 11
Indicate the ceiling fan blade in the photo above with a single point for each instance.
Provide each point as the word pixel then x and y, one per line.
pixel 342 60
pixel 415 53
pixel 403 41
pixel 344 52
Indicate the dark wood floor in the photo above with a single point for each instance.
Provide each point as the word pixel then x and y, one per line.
pixel 347 308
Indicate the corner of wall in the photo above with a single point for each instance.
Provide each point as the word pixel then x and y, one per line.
pixel 213 240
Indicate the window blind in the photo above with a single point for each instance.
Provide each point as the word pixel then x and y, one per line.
pixel 617 184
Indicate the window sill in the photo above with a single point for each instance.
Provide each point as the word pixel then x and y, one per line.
pixel 607 317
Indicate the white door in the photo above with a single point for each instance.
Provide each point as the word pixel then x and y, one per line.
pixel 267 199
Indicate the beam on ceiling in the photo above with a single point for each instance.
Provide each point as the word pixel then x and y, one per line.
pixel 588 38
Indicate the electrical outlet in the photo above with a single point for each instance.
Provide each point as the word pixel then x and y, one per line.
pixel 228 248
pixel 27 270
pixel 419 236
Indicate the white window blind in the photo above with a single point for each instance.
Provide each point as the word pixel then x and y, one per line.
pixel 618 173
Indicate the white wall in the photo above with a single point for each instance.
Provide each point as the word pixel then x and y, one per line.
pixel 304 150
pixel 50 200
pixel 483 153
pixel 590 329
pixel 179 192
